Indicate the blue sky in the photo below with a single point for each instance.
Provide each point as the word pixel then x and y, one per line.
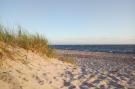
pixel 73 21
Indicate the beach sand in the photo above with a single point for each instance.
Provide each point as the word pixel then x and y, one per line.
pixel 94 70
pixel 101 70
pixel 33 72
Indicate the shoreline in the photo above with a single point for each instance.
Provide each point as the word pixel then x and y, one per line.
pixel 95 51
pixel 124 49
pixel 76 53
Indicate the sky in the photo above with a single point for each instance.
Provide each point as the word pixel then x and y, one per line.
pixel 73 21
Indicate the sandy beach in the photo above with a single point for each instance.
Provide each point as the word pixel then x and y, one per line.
pixel 67 44
pixel 101 70
pixel 92 70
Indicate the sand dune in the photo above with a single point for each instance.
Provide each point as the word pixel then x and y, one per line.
pixel 29 70
pixel 35 72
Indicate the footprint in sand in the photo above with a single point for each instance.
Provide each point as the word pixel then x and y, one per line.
pixel 41 82
pixel 9 80
pixel 115 84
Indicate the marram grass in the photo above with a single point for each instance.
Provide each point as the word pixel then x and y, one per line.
pixel 23 39
pixel 33 42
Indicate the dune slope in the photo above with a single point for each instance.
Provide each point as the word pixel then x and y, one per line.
pixel 28 70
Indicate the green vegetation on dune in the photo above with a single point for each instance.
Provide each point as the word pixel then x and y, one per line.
pixel 33 42
pixel 23 39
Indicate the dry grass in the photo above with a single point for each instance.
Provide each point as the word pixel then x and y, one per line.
pixel 23 39
pixel 34 42
pixel 65 58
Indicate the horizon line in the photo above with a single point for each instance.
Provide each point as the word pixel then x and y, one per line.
pixel 91 44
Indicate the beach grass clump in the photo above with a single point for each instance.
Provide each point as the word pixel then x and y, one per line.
pixel 34 42
pixel 67 59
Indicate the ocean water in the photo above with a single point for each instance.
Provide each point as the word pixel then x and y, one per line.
pixel 99 48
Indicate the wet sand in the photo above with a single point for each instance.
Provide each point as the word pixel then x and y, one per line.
pixel 100 70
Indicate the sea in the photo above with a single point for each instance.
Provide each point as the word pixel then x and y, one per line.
pixel 98 48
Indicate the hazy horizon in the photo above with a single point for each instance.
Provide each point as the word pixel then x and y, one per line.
pixel 73 21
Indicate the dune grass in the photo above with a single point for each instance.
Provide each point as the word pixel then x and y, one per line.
pixel 67 59
pixel 34 42
pixel 23 39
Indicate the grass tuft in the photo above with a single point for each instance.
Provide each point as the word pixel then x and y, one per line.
pixel 23 39
pixel 65 58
